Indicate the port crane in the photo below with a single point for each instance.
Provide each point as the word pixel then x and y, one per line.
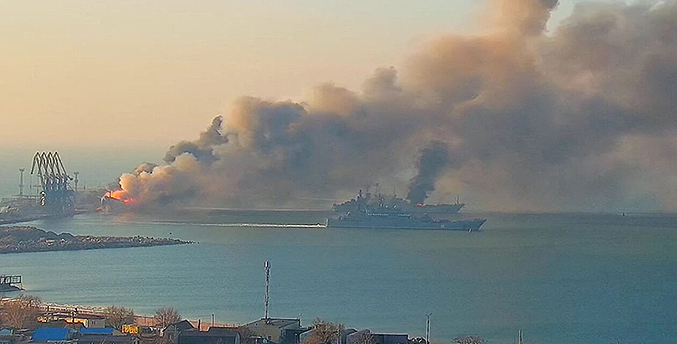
pixel 56 196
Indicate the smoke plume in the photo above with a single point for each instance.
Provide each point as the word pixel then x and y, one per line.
pixel 579 118
pixel 432 162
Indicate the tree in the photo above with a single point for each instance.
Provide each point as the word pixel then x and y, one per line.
pixel 21 312
pixel 324 332
pixel 118 316
pixel 364 338
pixel 166 316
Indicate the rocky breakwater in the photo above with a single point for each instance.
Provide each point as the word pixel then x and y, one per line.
pixel 17 239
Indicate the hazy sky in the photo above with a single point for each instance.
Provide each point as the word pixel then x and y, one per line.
pixel 91 78
pixel 107 73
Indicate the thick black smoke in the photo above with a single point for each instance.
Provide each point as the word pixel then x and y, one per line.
pixel 431 164
pixel 580 118
pixel 202 148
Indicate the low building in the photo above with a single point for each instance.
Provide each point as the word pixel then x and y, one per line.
pixel 87 320
pixel 171 332
pixel 390 338
pixel 7 336
pixel 107 339
pixel 275 329
pixel 90 321
pixel 377 338
pixel 215 335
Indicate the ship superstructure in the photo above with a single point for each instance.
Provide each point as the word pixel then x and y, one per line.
pixel 367 201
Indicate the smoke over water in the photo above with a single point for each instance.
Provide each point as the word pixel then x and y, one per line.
pixel 580 118
pixel 434 159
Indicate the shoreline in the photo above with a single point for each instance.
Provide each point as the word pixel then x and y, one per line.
pixel 143 320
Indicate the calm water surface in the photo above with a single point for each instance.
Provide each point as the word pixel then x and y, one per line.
pixel 563 278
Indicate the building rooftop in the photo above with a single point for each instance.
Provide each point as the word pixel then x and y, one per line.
pixel 183 325
pixel 97 331
pixel 276 322
pixel 64 315
pixel 99 339
pixel 215 335
pixel 45 334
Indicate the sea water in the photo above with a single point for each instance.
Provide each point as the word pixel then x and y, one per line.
pixel 560 278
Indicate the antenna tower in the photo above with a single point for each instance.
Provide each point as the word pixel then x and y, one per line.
pixel 266 300
pixel 21 182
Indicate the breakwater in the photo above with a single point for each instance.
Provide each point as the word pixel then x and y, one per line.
pixel 18 239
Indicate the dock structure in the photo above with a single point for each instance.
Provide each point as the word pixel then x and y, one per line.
pixel 10 283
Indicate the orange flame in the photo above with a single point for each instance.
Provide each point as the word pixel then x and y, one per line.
pixel 120 195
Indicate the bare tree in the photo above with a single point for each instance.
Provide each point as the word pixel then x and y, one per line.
pixel 324 332
pixel 468 340
pixel 118 316
pixel 364 338
pixel 21 312
pixel 166 316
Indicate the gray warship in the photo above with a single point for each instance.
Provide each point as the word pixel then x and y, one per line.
pixel 388 218
pixel 393 202
pixel 368 212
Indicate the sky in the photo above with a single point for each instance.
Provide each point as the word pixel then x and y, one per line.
pixel 111 84
pixel 98 75
pixel 112 73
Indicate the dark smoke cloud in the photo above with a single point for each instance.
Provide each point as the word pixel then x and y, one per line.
pixel 434 158
pixel 202 149
pixel 581 118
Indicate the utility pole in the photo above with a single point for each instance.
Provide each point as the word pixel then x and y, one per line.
pixel 21 182
pixel 76 173
pixel 267 298
pixel 427 328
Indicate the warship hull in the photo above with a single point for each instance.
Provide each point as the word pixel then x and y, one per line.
pixel 404 223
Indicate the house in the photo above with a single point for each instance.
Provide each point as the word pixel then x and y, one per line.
pixel 377 338
pixel 90 321
pixel 276 329
pixel 87 320
pixel 7 336
pixel 215 335
pixel 172 331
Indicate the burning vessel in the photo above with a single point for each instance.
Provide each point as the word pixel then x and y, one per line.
pixel 396 203
pixel 114 202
